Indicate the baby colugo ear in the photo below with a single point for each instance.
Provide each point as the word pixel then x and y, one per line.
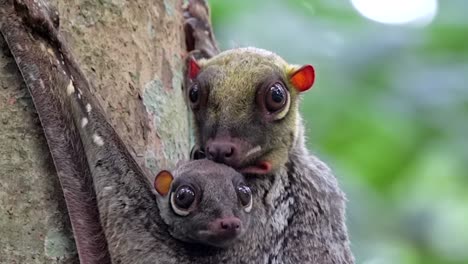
pixel 162 182
pixel 303 78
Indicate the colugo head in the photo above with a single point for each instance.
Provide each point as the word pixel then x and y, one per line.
pixel 245 106
pixel 204 202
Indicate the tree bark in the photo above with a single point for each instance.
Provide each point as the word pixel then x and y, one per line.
pixel 132 51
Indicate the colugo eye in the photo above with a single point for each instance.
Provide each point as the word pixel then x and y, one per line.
pixel 182 199
pixel 197 153
pixel 194 93
pixel 276 97
pixel 245 196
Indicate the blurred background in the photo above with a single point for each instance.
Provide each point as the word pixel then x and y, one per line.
pixel 388 112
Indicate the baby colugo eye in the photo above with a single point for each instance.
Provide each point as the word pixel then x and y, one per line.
pixel 182 199
pixel 245 196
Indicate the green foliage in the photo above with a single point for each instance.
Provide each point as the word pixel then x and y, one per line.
pixel 388 113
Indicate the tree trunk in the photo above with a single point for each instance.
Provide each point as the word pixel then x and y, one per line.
pixel 132 52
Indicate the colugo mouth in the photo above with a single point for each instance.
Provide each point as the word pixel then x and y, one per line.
pixel 262 167
pixel 251 164
pixel 217 240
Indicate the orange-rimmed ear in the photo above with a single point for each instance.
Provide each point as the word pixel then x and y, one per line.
pixel 193 68
pixel 162 182
pixel 303 78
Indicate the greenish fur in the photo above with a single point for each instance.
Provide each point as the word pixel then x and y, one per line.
pixel 237 76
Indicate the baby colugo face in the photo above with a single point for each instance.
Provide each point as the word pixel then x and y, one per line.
pixel 204 202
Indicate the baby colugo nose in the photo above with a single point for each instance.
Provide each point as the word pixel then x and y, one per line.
pixel 228 227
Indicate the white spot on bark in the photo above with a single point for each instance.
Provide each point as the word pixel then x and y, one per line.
pixel 88 108
pixel 98 140
pixel 32 77
pixel 84 122
pixel 70 88
pixel 41 84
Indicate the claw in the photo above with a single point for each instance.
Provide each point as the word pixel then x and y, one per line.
pixel 198 31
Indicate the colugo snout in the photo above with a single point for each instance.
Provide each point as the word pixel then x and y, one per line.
pixel 245 105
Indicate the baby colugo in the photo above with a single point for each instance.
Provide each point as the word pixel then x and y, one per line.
pixel 204 202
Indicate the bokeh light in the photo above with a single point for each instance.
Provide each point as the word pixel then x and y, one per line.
pixel 416 12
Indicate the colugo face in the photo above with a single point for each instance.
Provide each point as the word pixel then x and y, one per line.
pixel 205 202
pixel 245 106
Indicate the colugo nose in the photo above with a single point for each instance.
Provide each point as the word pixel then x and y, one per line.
pixel 230 224
pixel 222 152
pixel 226 227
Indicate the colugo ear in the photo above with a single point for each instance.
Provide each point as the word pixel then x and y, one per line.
pixel 193 68
pixel 162 182
pixel 303 78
